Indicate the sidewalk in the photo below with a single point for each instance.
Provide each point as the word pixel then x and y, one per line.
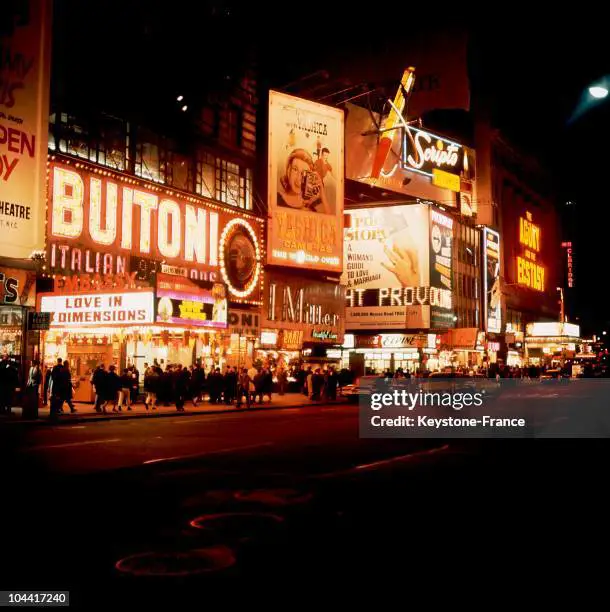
pixel 86 412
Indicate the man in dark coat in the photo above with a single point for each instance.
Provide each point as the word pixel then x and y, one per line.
pixel 183 383
pixel 113 386
pixel 58 390
pixel 9 379
pixel 98 379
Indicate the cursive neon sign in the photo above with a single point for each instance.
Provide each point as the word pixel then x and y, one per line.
pixel 423 151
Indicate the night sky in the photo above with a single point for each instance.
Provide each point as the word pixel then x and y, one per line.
pixel 533 69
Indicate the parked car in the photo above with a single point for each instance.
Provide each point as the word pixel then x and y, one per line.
pixel 554 374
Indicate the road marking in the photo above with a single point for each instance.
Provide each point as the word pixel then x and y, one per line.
pixel 216 452
pixel 69 444
pixel 77 427
pixel 383 462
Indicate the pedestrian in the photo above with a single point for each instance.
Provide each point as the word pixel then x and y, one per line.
pixel 229 386
pixel 317 383
pixel 32 389
pixel 331 384
pixel 135 384
pixel 197 378
pixel 267 383
pixel 47 382
pixel 125 391
pixel 56 388
pixel 113 386
pixel 259 385
pixel 282 380
pixel 183 383
pixel 307 382
pixel 98 380
pixel 243 388
pixel 8 383
pixel 67 388
pixel 151 386
pixel 215 384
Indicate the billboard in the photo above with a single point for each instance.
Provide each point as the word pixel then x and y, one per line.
pixel 441 265
pixel 491 280
pixel 305 184
pixel 25 53
pixel 103 224
pixel 300 308
pixel 182 302
pixel 361 144
pixel 397 273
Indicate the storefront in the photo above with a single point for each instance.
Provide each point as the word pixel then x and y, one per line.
pixel 551 343
pixel 302 319
pixel 142 274
pixel 462 347
pixel 376 354
pixel 17 299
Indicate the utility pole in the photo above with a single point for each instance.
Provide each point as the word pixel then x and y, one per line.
pixel 562 311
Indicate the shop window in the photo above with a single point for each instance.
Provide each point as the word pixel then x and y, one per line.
pixel 227 182
pixel 233 184
pixel 205 176
pixel 245 190
pixel 11 329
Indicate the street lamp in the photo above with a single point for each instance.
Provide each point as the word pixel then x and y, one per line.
pixel 598 91
pixel 562 314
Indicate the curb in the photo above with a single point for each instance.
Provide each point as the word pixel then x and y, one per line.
pixel 94 418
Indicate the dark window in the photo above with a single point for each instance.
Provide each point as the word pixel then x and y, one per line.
pixel 151 157
pixel 103 142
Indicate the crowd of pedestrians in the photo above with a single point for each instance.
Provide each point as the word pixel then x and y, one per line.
pixel 117 390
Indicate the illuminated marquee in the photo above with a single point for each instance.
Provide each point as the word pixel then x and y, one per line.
pixel 85 310
pixel 529 272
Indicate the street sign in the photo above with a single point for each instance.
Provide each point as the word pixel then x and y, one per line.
pixel 39 321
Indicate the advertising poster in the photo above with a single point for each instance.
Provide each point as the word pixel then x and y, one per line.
pixel 491 280
pixel 300 308
pixel 387 269
pixel 441 247
pixel 24 109
pixel 181 302
pixel 305 184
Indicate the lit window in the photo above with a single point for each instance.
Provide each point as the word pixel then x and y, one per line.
pixel 205 177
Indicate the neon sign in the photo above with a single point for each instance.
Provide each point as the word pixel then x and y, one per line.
pixel 108 225
pixel 529 272
pixel 424 152
pixel 568 247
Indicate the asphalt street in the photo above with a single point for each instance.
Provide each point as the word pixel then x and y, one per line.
pixel 169 509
